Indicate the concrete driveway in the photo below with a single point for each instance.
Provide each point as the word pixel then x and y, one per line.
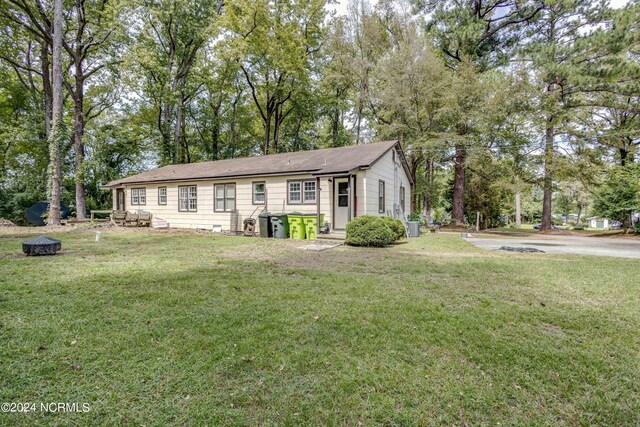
pixel 601 246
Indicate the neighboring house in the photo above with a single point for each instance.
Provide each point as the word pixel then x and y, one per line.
pixel 598 222
pixel 341 183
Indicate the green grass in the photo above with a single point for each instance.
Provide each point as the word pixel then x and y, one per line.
pixel 157 328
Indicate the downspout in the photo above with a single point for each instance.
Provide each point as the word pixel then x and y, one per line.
pixel 350 200
pixel 318 206
pixel 355 196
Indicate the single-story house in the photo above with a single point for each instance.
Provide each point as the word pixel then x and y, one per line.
pixel 598 222
pixel 341 183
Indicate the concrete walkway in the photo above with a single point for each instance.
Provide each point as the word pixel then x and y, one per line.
pixel 600 246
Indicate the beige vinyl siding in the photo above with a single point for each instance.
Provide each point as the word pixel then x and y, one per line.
pixel 205 217
pixel 393 176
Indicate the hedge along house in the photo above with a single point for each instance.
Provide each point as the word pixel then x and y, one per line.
pixel 341 183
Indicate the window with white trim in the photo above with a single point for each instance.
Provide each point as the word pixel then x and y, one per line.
pixel 402 199
pixel 299 192
pixel 188 198
pixel 162 195
pixel 224 197
pixel 309 195
pixel 138 196
pixel 381 201
pixel 259 193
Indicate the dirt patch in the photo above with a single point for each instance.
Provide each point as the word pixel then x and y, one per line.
pixel 6 223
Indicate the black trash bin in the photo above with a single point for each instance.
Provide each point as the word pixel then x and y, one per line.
pixel 264 223
pixel 280 226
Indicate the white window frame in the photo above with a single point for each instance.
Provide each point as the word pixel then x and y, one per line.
pixel 138 196
pixel 228 203
pixel 302 192
pixel 256 193
pixel 189 195
pixel 162 195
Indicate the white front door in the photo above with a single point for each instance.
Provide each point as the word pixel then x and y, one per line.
pixel 341 203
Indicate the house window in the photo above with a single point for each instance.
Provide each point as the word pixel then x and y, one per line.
pixel 187 198
pixel 162 195
pixel 138 196
pixel 309 192
pixel 343 194
pixel 402 199
pixel 259 190
pixel 224 197
pixel 295 194
pixel 301 192
pixel 381 203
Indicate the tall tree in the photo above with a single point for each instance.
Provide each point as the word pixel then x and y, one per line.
pixel 485 33
pixel 409 89
pixel 93 24
pixel 162 62
pixel 57 129
pixel 276 45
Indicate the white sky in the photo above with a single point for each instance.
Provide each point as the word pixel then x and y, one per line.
pixel 341 5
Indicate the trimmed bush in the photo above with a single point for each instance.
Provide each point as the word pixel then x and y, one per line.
pixel 396 226
pixel 369 230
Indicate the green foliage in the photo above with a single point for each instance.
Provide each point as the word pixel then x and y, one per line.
pixel 619 196
pixel 414 216
pixel 396 226
pixel 369 230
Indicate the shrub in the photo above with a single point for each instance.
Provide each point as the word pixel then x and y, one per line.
pixel 369 231
pixel 396 226
pixel 578 227
pixel 415 216
pixel 636 226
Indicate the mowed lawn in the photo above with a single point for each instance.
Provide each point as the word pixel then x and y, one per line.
pixel 190 329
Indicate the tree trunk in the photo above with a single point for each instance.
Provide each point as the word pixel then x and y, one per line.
pixel 548 177
pixel 457 212
pixel 177 134
pixel 215 132
pixel 78 146
pixel 335 128
pixel 624 154
pixel 518 210
pixel 579 214
pixel 267 134
pixel 57 131
pixel 47 94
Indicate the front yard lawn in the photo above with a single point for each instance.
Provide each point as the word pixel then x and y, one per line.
pixel 166 328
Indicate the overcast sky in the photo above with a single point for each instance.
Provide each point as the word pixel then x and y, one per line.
pixel 341 5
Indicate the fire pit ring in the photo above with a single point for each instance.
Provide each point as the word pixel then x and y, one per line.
pixel 41 246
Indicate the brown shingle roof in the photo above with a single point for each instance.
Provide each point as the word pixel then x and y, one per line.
pixel 317 162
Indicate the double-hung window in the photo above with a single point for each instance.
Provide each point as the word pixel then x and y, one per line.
pixel 224 197
pixel 300 192
pixel 162 195
pixel 381 201
pixel 138 196
pixel 402 199
pixel 259 193
pixel 187 198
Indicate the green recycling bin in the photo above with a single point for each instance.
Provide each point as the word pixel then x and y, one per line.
pixel 264 224
pixel 296 226
pixel 280 226
pixel 311 225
